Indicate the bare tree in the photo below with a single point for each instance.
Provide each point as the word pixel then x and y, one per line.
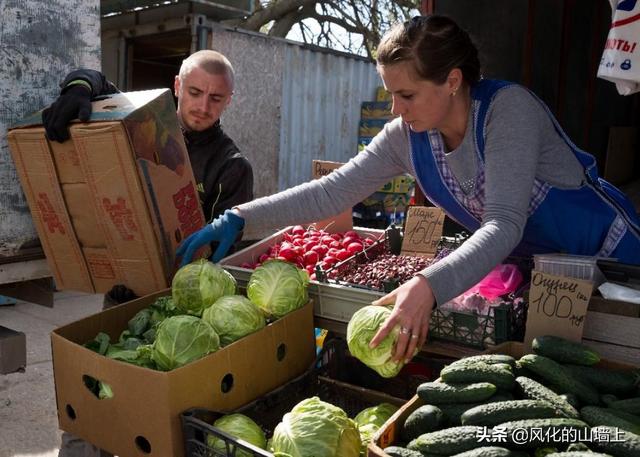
pixel 351 25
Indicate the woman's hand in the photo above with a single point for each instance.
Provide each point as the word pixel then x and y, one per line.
pixel 413 302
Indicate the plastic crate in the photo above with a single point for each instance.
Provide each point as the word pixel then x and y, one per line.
pixel 505 322
pixel 268 410
pixel 571 266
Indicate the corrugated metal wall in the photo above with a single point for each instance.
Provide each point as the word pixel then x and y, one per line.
pixel 40 43
pixel 321 97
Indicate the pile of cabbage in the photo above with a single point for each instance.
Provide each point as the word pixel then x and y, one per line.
pixel 312 428
pixel 203 314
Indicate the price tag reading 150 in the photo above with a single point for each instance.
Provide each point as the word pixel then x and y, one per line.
pixel 422 231
pixel 557 306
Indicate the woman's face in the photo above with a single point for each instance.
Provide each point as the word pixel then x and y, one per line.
pixel 422 104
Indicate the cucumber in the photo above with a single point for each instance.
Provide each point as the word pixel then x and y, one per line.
pixel 504 366
pixel 487 451
pixel 397 451
pixel 629 405
pixel 606 381
pixel 572 399
pixel 435 393
pixel 449 441
pixel 478 372
pixel 426 418
pixel 534 390
pixel 544 451
pixel 564 351
pixel 578 454
pixel 505 411
pixel 554 373
pixel 537 432
pixel 625 415
pixel 620 443
pixel 453 411
pixel 486 358
pixel 578 447
pixel 608 398
pixel 593 416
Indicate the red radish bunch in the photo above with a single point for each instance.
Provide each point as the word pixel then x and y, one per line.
pixel 308 247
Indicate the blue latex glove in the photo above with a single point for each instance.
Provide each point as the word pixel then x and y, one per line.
pixel 224 229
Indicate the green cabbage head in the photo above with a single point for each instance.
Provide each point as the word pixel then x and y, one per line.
pixel 183 339
pixel 278 288
pixel 316 428
pixel 370 420
pixel 238 426
pixel 362 327
pixel 198 285
pixel 232 317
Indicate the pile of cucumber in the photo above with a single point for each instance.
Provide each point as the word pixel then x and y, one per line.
pixel 551 403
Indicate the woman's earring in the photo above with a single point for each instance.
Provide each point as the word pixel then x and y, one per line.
pixel 453 94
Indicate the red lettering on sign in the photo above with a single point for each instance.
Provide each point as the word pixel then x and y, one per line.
pixel 186 202
pixel 49 215
pixel 121 216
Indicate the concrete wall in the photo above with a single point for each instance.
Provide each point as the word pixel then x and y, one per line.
pixel 40 42
pixel 253 119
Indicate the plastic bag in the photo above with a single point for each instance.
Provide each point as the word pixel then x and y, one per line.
pixel 502 280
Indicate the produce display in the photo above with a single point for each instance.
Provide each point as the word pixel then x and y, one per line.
pixel 311 247
pixel 345 257
pixel 203 314
pixel 496 406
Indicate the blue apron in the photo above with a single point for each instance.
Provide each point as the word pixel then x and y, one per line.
pixel 594 219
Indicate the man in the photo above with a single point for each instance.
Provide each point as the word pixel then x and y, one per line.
pixel 204 88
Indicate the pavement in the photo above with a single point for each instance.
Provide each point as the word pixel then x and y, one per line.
pixel 28 414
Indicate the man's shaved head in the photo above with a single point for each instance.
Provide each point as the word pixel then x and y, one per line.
pixel 210 61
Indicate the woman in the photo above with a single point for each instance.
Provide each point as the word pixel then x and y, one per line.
pixel 487 152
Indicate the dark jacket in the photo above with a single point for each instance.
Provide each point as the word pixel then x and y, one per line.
pixel 223 176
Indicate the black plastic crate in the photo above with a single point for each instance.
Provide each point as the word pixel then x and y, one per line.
pixel 268 411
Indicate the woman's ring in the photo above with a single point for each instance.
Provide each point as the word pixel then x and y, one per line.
pixel 404 330
pixel 414 337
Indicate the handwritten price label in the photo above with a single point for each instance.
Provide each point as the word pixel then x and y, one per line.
pixel 557 306
pixel 422 231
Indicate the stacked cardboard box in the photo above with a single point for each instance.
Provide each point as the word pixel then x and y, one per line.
pixel 112 203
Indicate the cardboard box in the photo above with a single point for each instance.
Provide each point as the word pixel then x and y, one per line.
pixel 111 204
pixel 13 351
pixel 389 433
pixel 143 417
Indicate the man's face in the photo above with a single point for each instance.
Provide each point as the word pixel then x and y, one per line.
pixel 202 98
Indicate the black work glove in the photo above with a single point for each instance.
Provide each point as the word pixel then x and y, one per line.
pixel 121 294
pixel 74 102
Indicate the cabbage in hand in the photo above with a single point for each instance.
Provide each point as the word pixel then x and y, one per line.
pixel 363 326
pixel 278 288
pixel 232 317
pixel 198 285
pixel 241 427
pixel 316 428
pixel 183 339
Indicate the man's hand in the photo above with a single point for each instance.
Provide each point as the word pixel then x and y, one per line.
pixel 224 229
pixel 75 102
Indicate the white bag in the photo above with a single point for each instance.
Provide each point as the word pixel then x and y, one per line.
pixel 620 61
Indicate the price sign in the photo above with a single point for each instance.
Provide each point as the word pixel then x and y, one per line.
pixel 322 168
pixel 422 231
pixel 557 306
pixel 340 222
